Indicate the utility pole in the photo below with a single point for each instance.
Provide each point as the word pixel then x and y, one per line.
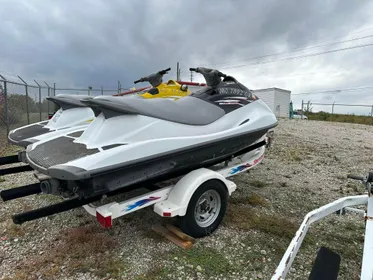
pixel 191 76
pixel 177 72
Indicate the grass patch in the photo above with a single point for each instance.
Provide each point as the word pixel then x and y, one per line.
pixel 257 200
pixel 10 150
pixel 293 154
pixel 154 273
pixel 354 187
pixel 211 261
pixel 15 230
pixel 257 183
pixel 324 116
pixel 83 249
pixel 198 260
pixel 247 218
pixel 254 199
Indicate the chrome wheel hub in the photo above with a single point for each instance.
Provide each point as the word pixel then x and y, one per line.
pixel 207 208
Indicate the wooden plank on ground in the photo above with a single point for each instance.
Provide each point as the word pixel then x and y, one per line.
pixel 180 234
pixel 161 230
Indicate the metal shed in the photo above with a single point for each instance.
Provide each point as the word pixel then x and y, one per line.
pixel 277 99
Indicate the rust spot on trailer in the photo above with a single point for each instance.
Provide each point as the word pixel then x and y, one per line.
pixel 368 218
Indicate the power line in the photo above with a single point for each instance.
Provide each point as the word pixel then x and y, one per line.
pixel 296 50
pixel 297 57
pixel 333 91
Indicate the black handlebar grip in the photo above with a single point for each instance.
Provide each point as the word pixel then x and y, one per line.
pixel 360 178
pixel 162 72
pixel 193 69
pixel 138 81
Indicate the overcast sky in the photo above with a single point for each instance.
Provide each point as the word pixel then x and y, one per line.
pixel 97 42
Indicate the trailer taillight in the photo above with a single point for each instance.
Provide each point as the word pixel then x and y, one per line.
pixel 106 222
pixel 166 214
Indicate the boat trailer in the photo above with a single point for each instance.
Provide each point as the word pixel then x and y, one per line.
pixel 173 200
pixel 169 201
pixel 327 262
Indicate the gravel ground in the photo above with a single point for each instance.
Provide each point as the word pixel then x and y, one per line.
pixel 305 168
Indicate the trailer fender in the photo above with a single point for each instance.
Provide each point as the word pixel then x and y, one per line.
pixel 177 202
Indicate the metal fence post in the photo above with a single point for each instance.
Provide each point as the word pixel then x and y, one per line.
pixel 54 94
pixel 27 109
pixel 39 98
pixel 6 116
pixel 49 93
pixel 333 107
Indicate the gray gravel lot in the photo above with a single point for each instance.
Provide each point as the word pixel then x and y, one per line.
pixel 305 168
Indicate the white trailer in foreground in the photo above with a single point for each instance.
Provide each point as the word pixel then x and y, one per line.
pixel 327 262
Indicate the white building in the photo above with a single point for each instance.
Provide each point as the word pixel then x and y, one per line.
pixel 277 99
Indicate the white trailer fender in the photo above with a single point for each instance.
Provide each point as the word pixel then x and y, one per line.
pixel 177 202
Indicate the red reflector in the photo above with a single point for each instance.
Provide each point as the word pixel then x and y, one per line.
pixel 106 222
pixel 166 214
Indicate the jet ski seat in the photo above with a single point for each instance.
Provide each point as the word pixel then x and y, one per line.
pixel 67 101
pixel 188 110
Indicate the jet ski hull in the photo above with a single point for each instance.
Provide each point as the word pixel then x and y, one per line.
pixel 154 168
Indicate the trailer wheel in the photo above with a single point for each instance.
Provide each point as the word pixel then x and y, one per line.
pixel 206 209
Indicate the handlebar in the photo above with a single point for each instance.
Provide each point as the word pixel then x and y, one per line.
pixel 162 72
pixel 203 70
pixel 212 76
pixel 154 79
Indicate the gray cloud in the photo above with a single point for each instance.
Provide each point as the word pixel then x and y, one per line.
pixel 81 43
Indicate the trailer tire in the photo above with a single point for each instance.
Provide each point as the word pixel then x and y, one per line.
pixel 192 223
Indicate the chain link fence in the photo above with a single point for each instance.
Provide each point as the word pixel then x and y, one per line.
pixel 24 102
pixel 340 112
